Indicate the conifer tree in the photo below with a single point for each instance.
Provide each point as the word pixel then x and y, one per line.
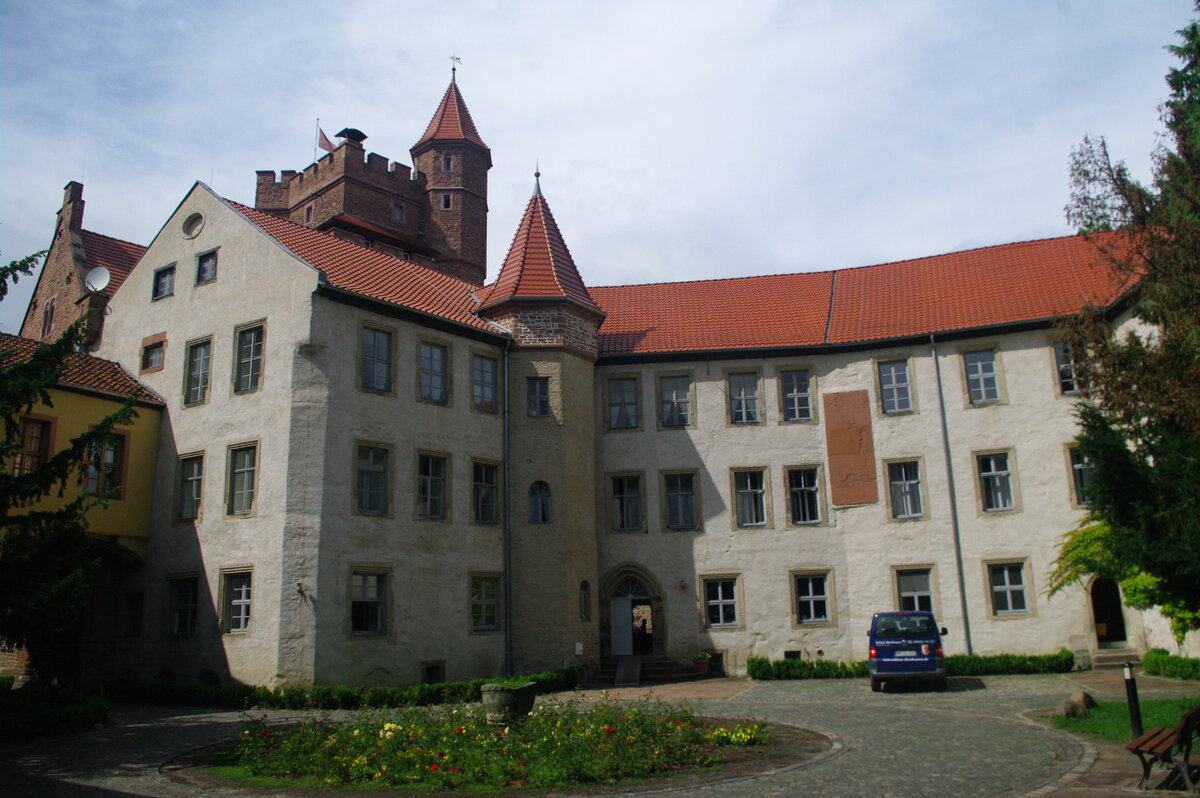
pixel 1141 418
pixel 46 557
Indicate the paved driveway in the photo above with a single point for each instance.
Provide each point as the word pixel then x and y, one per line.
pixel 970 741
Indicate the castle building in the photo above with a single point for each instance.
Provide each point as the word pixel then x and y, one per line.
pixel 376 468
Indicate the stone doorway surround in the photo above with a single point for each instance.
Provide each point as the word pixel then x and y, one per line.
pixel 620 601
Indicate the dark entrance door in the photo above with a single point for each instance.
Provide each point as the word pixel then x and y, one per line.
pixel 1106 609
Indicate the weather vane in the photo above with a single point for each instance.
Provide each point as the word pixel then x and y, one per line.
pixel 454 62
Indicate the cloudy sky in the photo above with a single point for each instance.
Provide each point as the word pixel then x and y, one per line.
pixel 677 140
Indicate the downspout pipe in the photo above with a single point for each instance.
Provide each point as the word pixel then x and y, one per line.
pixel 954 526
pixel 506 463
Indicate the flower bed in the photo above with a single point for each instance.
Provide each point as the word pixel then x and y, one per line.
pixel 454 748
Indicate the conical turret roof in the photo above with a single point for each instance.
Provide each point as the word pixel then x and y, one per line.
pixel 451 121
pixel 539 265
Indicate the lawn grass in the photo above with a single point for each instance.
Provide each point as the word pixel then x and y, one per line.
pixel 1109 720
pixel 453 748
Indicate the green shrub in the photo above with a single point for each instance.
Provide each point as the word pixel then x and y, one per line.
pixel 956 665
pixel 1158 662
pixel 6 683
pixel 36 712
pixel 999 664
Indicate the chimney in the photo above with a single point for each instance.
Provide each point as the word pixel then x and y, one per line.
pixel 71 215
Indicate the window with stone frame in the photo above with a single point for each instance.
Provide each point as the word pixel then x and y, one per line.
pixel 485 603
pixel 680 500
pixel 191 486
pixel 1064 364
pixel 164 283
pixel 622 403
pixel 183 593
pixel 33 445
pixel 235 605
pixel 248 359
pixel 196 377
pixel 914 588
pixel 675 397
pixel 431 486
pixel 539 503
pixel 243 476
pixel 894 393
pixel 537 396
pixel 812 597
pixel 983 383
pixel 804 495
pixel 367 592
pixel 720 601
pixel 206 268
pixel 627 503
pixel 795 395
pixel 995 482
pixel 743 397
pixel 483 382
pixel 152 356
pixel 750 489
pixel 1008 588
pixel 904 484
pixel 371 479
pixel 434 373
pixel 375 360
pixel 106 466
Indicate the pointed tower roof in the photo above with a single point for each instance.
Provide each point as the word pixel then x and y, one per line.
pixel 451 121
pixel 539 265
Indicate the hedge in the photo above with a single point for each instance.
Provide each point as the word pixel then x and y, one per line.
pixel 1157 662
pixel 324 696
pixel 35 712
pixel 956 665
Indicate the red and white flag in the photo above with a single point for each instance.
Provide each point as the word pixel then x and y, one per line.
pixel 323 141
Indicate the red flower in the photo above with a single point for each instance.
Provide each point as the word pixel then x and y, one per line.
pixel 609 729
pixel 433 766
pixel 460 730
pixel 678 722
pixel 522 761
pixel 453 769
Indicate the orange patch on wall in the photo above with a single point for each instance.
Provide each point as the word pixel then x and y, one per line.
pixel 851 447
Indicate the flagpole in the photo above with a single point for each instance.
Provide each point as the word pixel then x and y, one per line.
pixel 316 138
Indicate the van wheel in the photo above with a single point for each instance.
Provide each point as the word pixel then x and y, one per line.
pixel 876 684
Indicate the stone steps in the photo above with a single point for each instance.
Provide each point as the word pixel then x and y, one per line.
pixel 1114 657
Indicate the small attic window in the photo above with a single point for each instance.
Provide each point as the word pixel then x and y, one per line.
pixel 193 225
pixel 446 202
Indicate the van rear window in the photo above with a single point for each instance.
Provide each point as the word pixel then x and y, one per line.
pixel 897 626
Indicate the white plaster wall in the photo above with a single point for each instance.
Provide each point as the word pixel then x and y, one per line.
pixel 256 282
pixel 427 563
pixel 861 545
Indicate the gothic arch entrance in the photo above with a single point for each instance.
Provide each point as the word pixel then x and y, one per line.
pixel 634 614
pixel 1106 610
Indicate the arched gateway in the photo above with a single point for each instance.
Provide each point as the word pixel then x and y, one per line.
pixel 634 614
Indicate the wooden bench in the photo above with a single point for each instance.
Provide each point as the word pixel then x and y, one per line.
pixel 1170 748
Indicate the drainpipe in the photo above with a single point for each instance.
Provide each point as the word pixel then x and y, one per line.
pixel 507 534
pixel 958 558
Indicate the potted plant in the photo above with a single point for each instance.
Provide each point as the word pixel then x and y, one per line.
pixel 505 702
pixel 700 661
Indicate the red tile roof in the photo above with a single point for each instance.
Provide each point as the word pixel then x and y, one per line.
pixel 118 256
pixel 538 262
pixel 1028 281
pixel 372 273
pixel 81 371
pixel 451 120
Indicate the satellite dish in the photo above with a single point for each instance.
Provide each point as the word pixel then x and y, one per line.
pixel 97 279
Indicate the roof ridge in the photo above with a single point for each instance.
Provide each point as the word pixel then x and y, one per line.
pixel 835 270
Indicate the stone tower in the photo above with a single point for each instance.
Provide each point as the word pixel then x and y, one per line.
pixel 541 299
pixel 454 162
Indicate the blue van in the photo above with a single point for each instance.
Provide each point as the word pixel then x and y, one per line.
pixel 906 645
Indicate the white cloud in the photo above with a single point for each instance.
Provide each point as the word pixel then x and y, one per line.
pixel 677 140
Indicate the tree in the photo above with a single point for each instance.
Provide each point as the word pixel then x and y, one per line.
pixel 46 557
pixel 1141 418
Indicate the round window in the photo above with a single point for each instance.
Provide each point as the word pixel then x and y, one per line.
pixel 193 225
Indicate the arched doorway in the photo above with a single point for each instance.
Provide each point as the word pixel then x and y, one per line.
pixel 1106 610
pixel 631 618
